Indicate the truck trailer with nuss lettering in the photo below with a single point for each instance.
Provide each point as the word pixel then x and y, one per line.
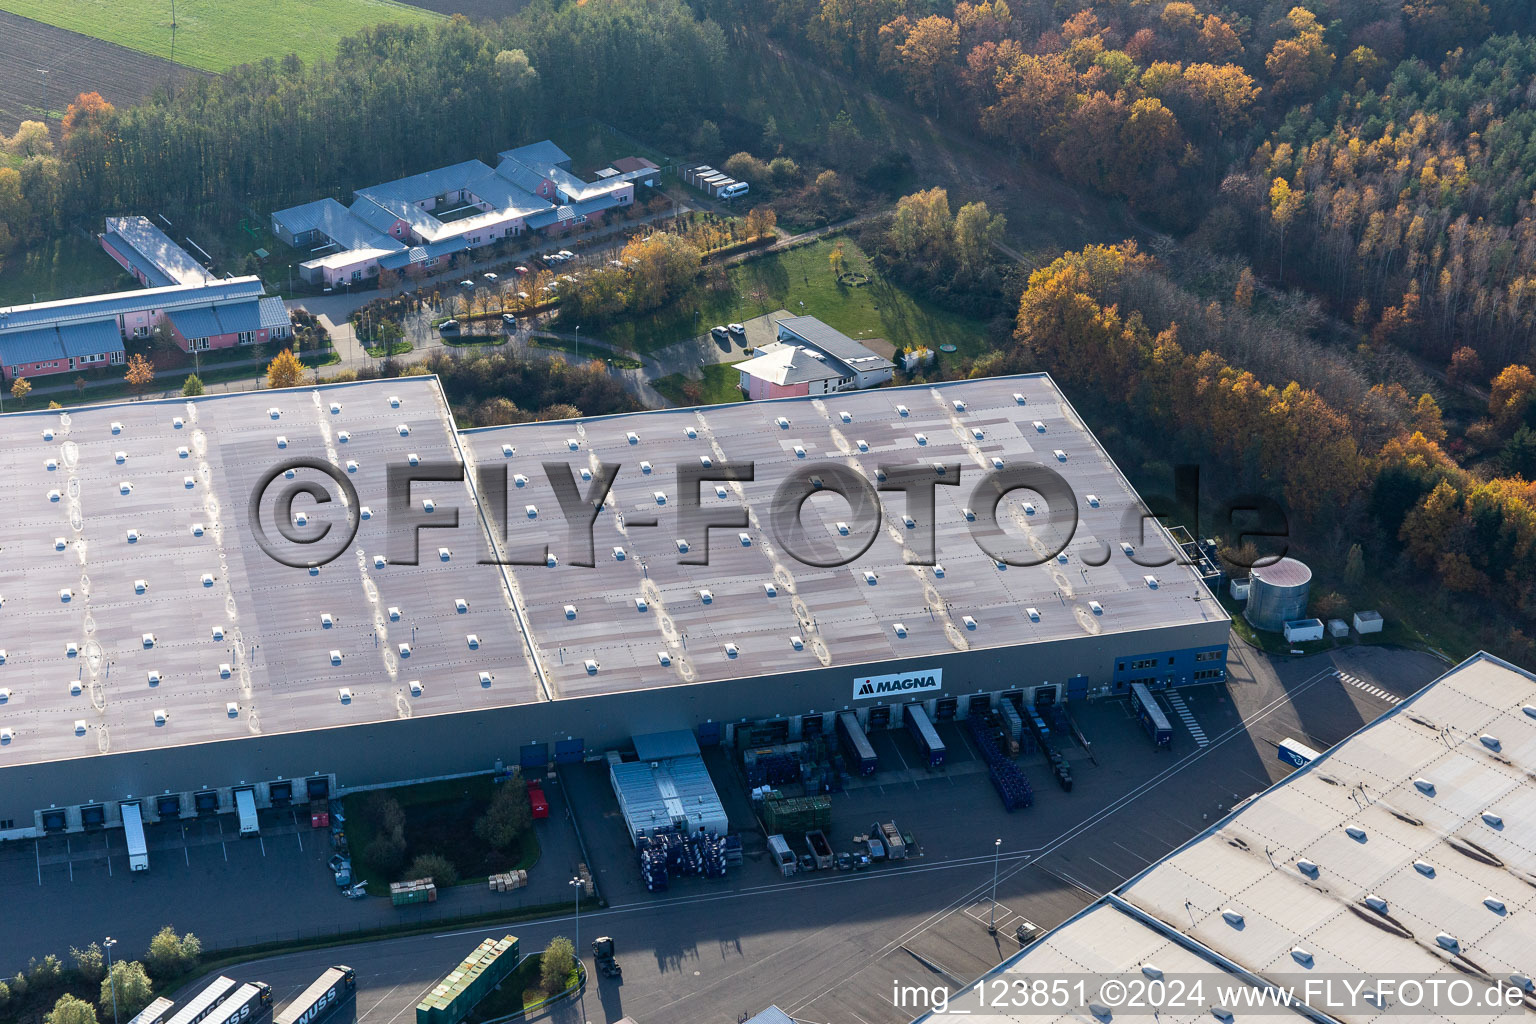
pixel 317 1003
pixel 249 1004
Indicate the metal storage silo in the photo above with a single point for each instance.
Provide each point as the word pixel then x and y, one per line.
pixel 1278 593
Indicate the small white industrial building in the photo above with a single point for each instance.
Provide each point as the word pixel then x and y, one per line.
pixel 1368 622
pixel 1299 630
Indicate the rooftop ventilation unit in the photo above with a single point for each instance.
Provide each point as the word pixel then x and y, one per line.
pixel 783 423
pixel 845 416
pixel 1448 941
pixel 1356 833
pixel 799 452
pixel 274 412
pixel 719 490
pixel 911 523
pixel 1127 547
pixel 797 642
pixel 706 461
pixel 1492 820
pixel 485 679
pixel 191 482
pixel 335 657
pixel 770 590
pixel 335 408
pixel 394 613
pixel 178 423
pixel 197 529
pixel 1150 581
pixel 473 641
pixel 403 429
pixel 1306 867
pixel 586 474
pixel 731 650
pixel 1093 501
pixel 1061 456
pixel 120 457
pixel 706 596
pixel 997 462
pixel 691 432
pixel 970 514
pixel 282 441
pixel 870 577
pixel 74 688
pixel 640 604
pixel 899 628
pixel 351 467
pixel 47 435
pixel 1494 904
pixel 79 727
pixel 863 445
pixel 570 611
pixel 591 666
pixel 460 605
pixel 645 467
pixel 1029 508
pixel 71 649
pixel 161 715
pixel 1424 786
pixel 661 497
pixel 1095 607
pixel 902 410
pixel 551 561
pixel 326 622
pixel 1039 427
pixel 405 650
pixel 1151 970
pixel 117 428
pixel 1376 903
pixel 921 439
pixel 938 569
pixel 745 538
pixel 1020 399
pixel 1301 955
pixel 65 594
pixel 573 444
pixel 218 632
pixel 632 437
pixel 508 451
pixel 345 694
pixel 54 495
pixel 51 465
pixel 183 453
pixel 343 436
pixel 365 512
pixel 224 670
pixel 1424 868
pixel 379 561
pixel 977 433
pixel 959 405
pixel 394 401
pixel 970 622
pixel 682 546
pixel 139 586
pixel 663 658
pixel 1491 742
pixel 519 480
pixel 125 487
pixel 232 709
pixel 1233 917
pixel 207 579
pixel 413 458
pixel 532 511
pixel 618 554
pixel 428 505
pixel 415 685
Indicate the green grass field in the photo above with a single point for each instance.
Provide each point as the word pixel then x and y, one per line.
pixel 801 281
pixel 215 35
pixel 720 385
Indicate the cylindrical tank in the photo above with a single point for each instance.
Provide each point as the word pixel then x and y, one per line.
pixel 1277 593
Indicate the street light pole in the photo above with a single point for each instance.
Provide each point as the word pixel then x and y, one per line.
pixel 576 885
pixel 578 341
pixel 111 981
pixel 997 848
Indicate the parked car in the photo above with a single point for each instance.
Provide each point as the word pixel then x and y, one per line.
pixel 845 861
pixel 860 861
pixel 448 326
pixel 509 321
pixel 736 329
pixel 566 254
pixel 488 276
pixel 720 332
pixel 520 269
pixel 466 283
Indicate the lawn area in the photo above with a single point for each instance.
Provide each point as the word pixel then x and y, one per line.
pixel 622 360
pixel 801 280
pixel 215 35
pixel 719 384
pixel 439 818
pixel 61 267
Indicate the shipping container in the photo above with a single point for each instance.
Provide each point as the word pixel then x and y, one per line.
pixel 798 814
pixel 856 746
pixel 205 1002
pixel 133 832
pixel 1150 714
pixel 321 999
pixel 245 803
pixel 470 982
pixel 924 735
pixel 538 803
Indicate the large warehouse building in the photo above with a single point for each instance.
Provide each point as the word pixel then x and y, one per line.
pixel 1404 855
pixel 156 646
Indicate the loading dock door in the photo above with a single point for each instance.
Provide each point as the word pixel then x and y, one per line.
pixel 569 751
pixel 207 802
pixel 168 806
pixel 93 816
pixel 54 821
pixel 709 734
pixel 318 788
pixel 533 755
pixel 879 717
pixel 1077 688
pixel 280 794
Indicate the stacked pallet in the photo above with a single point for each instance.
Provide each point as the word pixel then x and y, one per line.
pixel 582 873
pixel 506 881
pixel 420 890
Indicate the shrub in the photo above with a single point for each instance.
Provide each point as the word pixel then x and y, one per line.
pixel 45 972
pixel 436 867
pixel 130 985
pixel 170 954
pixel 5 994
pixel 556 965
pixel 386 853
pixel 89 963
pixel 70 1010
pixel 508 816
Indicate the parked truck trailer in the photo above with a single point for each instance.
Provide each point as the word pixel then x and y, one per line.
pixel 155 1012
pixel 245 803
pixel 133 832
pixel 924 735
pixel 205 1002
pixel 248 1004
pixel 856 745
pixel 328 993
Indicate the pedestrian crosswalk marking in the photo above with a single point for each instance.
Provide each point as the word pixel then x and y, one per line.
pixel 1187 717
pixel 1374 691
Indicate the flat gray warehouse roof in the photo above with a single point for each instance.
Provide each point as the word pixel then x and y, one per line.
pixel 138 611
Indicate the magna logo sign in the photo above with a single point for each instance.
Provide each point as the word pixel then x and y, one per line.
pixel 900 684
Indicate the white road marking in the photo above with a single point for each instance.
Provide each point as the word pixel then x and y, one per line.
pixel 1176 700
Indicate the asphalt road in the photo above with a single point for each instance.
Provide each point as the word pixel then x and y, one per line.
pixel 831 947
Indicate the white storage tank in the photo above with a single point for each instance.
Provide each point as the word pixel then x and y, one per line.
pixel 1277 594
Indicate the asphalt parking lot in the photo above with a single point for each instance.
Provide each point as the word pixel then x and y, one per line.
pixel 826 946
